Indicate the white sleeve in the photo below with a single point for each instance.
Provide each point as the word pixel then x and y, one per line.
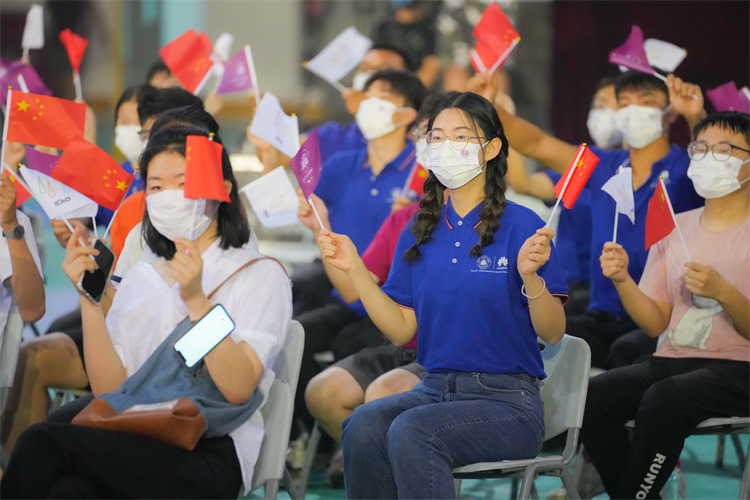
pixel 259 300
pixel 6 271
pixel 131 253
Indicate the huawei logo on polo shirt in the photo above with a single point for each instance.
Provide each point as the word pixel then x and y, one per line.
pixel 484 262
pixel 502 264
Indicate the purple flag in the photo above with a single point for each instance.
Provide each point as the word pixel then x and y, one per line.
pixel 236 75
pixel 306 164
pixel 745 98
pixel 726 98
pixel 632 54
pixel 9 72
pixel 41 162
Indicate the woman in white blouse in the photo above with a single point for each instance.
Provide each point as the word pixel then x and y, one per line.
pixel 60 460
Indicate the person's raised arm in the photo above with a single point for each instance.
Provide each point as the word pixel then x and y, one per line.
pixel 546 310
pixel 650 315
pixel 26 282
pixel 681 97
pixel 524 137
pixel 705 281
pixel 103 365
pixel 397 323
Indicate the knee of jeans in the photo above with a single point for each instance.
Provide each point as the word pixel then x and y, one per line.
pixel 363 425
pixel 407 431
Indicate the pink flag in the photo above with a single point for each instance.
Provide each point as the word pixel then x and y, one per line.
pixel 306 164
pixel 727 98
pixel 41 162
pixel 632 54
pixel 237 76
pixel 10 71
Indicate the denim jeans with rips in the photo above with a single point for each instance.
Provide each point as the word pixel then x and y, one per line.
pixel 406 445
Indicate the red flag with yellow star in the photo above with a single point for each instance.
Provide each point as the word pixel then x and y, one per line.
pixel 203 174
pixel 416 183
pixel 44 120
pixel 496 39
pixel 75 45
pixel 188 57
pixel 22 196
pixel 659 219
pixel 93 173
pixel 582 166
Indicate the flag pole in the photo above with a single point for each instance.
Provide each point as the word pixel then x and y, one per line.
pixel 25 56
pixel 251 67
pixel 22 83
pixel 671 211
pixel 337 85
pixel 477 60
pixel 109 226
pixel 204 81
pixel 96 231
pixel 315 210
pixel 505 55
pixel 565 185
pixel 5 130
pixel 77 84
pixel 67 223
pixel 617 218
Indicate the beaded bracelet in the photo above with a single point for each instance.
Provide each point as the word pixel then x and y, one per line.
pixel 523 290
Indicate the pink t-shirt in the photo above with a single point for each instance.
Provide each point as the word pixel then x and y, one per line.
pixel 699 327
pixel 379 255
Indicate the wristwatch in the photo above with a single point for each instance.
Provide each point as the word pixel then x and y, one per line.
pixel 16 233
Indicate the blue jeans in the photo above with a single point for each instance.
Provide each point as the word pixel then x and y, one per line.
pixel 406 445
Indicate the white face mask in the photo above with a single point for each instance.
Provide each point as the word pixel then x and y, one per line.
pixel 129 142
pixel 713 179
pixel 171 214
pixel 375 117
pixel 452 167
pixel 640 125
pixel 359 80
pixel 421 150
pixel 603 128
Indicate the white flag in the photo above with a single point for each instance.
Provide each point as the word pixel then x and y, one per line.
pixel 340 56
pixel 273 198
pixel 57 199
pixel 33 32
pixel 620 187
pixel 276 127
pixel 663 55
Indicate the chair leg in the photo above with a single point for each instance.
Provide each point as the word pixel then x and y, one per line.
pixel 272 489
pixel 720 451
pixel 570 485
pixel 745 484
pixel 457 486
pixel 514 488
pixel 312 449
pixel 291 488
pixel 527 483
pixel 738 449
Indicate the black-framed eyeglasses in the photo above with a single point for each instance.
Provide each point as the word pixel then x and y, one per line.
pixel 721 151
pixel 436 139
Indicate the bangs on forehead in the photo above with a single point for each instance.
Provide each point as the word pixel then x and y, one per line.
pixel 466 120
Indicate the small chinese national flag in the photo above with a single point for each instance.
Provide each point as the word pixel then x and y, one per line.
pixel 188 57
pixel 495 37
pixel 418 177
pixel 579 172
pixel 43 120
pixel 203 174
pixel 22 196
pixel 93 173
pixel 659 219
pixel 75 46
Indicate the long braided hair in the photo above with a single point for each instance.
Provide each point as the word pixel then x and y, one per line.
pixel 484 117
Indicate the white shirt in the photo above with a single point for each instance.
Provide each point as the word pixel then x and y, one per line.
pixel 6 267
pixel 145 310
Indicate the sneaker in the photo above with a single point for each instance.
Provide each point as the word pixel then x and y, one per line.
pixel 335 471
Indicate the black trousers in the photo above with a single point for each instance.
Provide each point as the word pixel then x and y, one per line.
pixel 60 460
pixel 599 329
pixel 667 398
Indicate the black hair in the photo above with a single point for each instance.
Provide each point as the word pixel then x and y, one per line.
pixel 604 82
pixel 186 116
pixel 160 100
pixel 232 229
pixel 483 115
pixel 134 93
pixel 735 122
pixel 431 103
pixel 402 83
pixel 408 62
pixel 636 80
pixel 157 67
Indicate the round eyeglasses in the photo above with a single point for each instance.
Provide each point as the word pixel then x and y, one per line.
pixel 436 140
pixel 720 151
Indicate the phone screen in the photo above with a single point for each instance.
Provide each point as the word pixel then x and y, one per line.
pixel 204 335
pixel 95 283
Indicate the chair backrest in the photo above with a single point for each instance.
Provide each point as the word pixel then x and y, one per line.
pixel 567 365
pixel 279 408
pixel 10 345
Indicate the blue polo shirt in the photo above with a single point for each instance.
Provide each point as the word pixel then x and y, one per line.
pixel 358 201
pixel 334 137
pixel 573 237
pixel 471 314
pixel 673 167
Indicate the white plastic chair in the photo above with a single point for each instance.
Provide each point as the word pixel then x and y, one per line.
pixel 277 413
pixel 10 345
pixel 567 365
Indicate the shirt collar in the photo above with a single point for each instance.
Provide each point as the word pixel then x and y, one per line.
pixel 452 219
pixel 405 159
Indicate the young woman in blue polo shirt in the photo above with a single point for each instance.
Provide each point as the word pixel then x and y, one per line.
pixel 478 276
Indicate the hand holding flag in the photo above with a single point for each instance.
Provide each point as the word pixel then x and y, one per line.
pixel 496 39
pixel 306 166
pixel 75 46
pixel 340 56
